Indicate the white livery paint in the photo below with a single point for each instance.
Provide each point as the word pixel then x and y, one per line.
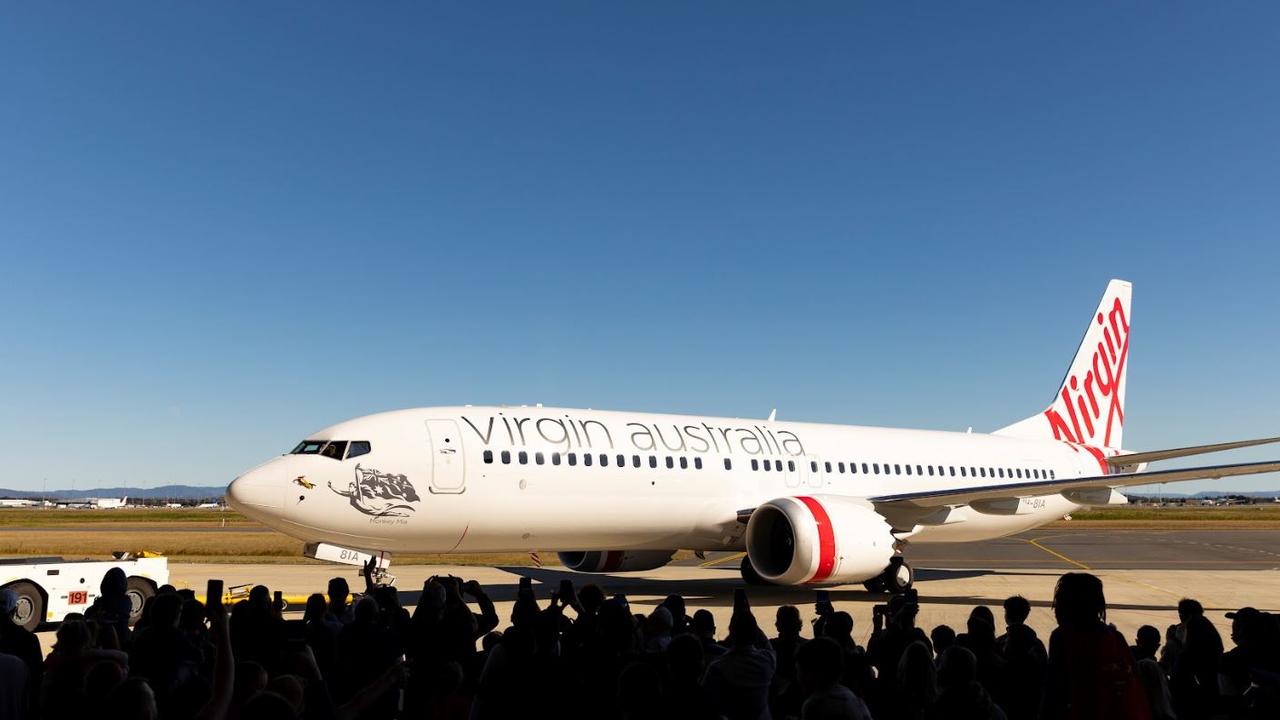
pixel 619 491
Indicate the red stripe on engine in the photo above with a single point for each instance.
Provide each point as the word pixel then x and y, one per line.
pixel 826 540
pixel 612 560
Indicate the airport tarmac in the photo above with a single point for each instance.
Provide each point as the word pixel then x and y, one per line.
pixel 1145 572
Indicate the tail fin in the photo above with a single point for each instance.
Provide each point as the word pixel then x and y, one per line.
pixel 1089 407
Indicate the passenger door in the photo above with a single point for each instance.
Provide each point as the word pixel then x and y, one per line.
pixel 448 462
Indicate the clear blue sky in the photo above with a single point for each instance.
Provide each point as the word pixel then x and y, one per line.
pixel 226 226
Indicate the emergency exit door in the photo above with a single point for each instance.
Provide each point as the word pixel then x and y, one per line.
pixel 447 459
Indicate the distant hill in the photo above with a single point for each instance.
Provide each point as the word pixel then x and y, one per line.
pixel 172 492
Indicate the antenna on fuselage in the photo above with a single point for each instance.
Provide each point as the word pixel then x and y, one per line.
pixel 773 414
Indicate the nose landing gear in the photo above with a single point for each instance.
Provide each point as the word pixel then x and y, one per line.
pixel 896 579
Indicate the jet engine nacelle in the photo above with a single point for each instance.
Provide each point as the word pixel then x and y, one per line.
pixel 818 539
pixel 605 561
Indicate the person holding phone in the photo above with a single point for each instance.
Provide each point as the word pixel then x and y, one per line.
pixel 739 680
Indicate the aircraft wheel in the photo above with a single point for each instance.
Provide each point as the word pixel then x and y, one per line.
pixel 139 590
pixel 29 612
pixel 898 577
pixel 749 574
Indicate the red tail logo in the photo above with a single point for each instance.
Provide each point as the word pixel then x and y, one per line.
pixel 1092 403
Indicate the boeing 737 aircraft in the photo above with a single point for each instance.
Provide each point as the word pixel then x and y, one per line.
pixel 809 503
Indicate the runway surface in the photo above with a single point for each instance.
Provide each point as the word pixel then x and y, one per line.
pixel 1145 572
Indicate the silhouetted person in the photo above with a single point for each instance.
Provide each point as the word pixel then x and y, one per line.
pixel 980 639
pixel 786 695
pixel 704 627
pixel 858 675
pixel 819 665
pixel 22 644
pixel 1025 664
pixel 162 654
pixel 1250 672
pixel 1016 611
pixel 132 699
pixel 1156 687
pixel 892 632
pixel 681 623
pixel 915 683
pixel 960 695
pixel 1194 680
pixel 62 694
pixel 685 697
pixel 112 606
pixel 15 690
pixel 943 637
pixel 1146 643
pixel 657 630
pixel 338 592
pixel 738 681
pixel 640 690
pixel 320 632
pixel 1091 673
pixel 1172 648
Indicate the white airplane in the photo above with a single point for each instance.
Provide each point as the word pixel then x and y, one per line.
pixel 809 503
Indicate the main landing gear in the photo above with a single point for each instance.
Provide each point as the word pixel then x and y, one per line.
pixel 749 574
pixel 895 579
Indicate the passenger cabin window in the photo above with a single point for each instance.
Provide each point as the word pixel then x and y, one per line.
pixel 840 465
pixel 488 457
pixel 684 463
pixel 755 464
pixel 728 464
pixel 604 460
pixel 358 448
pixel 524 457
pixel 506 457
pixel 813 466
pixel 622 461
pixel 853 468
pixel 908 469
pixel 670 463
pixel 697 463
pixel 827 465
pixel 791 465
pixel 555 458
pixel 653 461
pixel 635 461
pixel 539 458
pixel 586 459
pixel 573 459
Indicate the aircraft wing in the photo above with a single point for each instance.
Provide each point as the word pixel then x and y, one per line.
pixel 1154 455
pixel 1081 490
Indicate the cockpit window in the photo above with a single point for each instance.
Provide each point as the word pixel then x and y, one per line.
pixel 336 449
pixel 308 447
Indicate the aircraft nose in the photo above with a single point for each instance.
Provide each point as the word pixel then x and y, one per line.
pixel 252 491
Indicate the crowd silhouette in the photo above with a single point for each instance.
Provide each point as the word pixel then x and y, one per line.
pixel 579 653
